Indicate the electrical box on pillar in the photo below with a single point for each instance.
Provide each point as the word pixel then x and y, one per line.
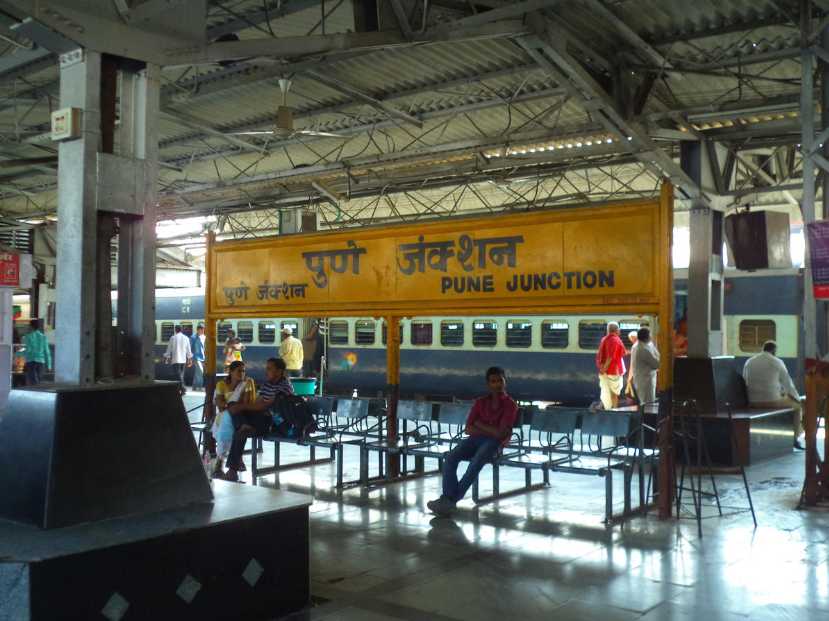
pixel 66 124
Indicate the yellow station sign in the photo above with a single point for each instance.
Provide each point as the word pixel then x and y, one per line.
pixel 585 258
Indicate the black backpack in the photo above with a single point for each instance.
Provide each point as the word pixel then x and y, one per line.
pixel 296 416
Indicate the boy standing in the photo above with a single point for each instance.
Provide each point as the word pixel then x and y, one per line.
pixel 489 426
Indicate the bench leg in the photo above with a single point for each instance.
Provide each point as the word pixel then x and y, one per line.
pixel 253 455
pixel 420 466
pixel 313 452
pixel 276 454
pixel 528 478
pixel 628 480
pixel 546 472
pixel 608 496
pixel 338 450
pixel 475 491
pixel 364 456
pixel 496 481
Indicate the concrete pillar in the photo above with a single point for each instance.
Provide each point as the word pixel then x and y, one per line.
pixel 137 148
pixel 705 270
pixel 80 79
pixel 106 177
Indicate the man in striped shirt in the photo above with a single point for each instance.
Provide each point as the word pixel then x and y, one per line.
pixel 276 383
pixel 255 419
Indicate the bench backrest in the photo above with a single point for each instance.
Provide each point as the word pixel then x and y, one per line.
pixel 453 413
pixel 616 424
pixel 564 422
pixel 414 410
pixel 359 408
pixel 320 407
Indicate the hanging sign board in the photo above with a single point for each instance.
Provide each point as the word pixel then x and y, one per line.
pixel 819 257
pixel 586 258
pixel 9 269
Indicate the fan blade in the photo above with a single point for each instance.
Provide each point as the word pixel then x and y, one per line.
pixel 310 132
pixel 269 132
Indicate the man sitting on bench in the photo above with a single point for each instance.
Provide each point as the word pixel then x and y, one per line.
pixel 489 426
pixel 255 419
pixel 769 385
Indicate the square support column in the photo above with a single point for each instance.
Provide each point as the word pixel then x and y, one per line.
pixel 80 84
pixel 705 270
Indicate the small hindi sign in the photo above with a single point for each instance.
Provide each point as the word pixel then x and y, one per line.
pixel 9 269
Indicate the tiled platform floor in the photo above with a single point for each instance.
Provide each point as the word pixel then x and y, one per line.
pixel 379 555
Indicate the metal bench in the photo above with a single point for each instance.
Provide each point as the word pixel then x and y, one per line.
pixel 321 409
pixel 532 451
pixel 602 460
pixel 415 429
pixel 443 434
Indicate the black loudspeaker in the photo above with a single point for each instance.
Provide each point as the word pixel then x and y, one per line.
pixel 759 239
pixel 711 382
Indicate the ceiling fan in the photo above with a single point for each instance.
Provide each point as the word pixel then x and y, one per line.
pixel 285 121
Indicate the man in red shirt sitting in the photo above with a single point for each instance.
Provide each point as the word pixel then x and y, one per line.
pixel 489 426
pixel 610 360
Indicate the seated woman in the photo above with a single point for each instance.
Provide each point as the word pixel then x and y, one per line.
pixel 232 394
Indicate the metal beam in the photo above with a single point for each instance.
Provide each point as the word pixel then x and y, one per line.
pixel 45 37
pixel 508 11
pixel 628 34
pixel 402 19
pixel 550 52
pixel 297 47
pixel 356 93
pixel 23 61
pixel 332 197
pixel 757 171
pixel 276 10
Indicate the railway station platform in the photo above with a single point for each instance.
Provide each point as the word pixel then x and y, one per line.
pixel 377 553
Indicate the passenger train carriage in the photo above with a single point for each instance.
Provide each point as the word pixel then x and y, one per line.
pixel 547 358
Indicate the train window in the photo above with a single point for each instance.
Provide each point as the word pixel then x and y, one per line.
pixel 451 333
pixel 755 332
pixel 421 332
pixel 384 337
pixel 629 326
pixel 591 334
pixel 555 334
pixel 484 333
pixel 187 328
pixel 244 330
pixel 364 331
pixel 267 332
pixel 519 334
pixel 221 331
pixel 338 332
pixel 167 330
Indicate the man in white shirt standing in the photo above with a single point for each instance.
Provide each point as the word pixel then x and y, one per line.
pixel 290 350
pixel 770 386
pixel 179 354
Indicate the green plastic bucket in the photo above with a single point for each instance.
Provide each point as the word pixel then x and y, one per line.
pixel 304 386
